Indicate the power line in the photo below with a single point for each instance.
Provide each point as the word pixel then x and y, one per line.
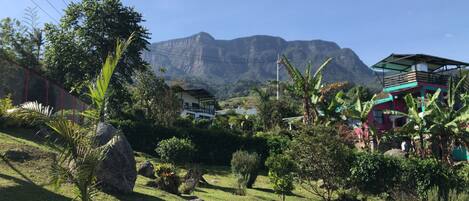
pixel 66 4
pixel 44 11
pixel 52 5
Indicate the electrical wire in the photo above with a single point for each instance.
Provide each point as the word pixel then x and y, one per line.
pixel 50 16
pixel 52 5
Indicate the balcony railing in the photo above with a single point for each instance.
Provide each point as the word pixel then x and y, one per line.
pixel 200 109
pixel 415 76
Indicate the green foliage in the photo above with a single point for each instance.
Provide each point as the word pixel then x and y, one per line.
pixel 306 86
pixel 158 102
pixel 20 43
pixel 176 150
pixel 5 104
pixel 244 166
pixel 182 122
pixel 81 42
pixel 271 112
pixel 167 179
pixel 423 175
pixel 202 123
pixel 375 173
pixel 78 152
pixel 281 169
pixel 212 146
pixel 318 152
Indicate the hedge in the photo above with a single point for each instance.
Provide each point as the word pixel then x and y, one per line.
pixel 214 146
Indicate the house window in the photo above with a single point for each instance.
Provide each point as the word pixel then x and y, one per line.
pixel 378 116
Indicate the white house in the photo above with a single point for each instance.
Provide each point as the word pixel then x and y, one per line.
pixel 197 103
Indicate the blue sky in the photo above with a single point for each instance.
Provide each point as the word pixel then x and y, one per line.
pixel 372 28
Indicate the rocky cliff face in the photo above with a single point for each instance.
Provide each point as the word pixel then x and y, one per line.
pixel 251 58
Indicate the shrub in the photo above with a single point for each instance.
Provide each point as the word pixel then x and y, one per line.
pixel 167 179
pixel 281 169
pixel 320 156
pixel 421 176
pixel 176 150
pixel 183 122
pixel 245 167
pixel 5 104
pixel 202 123
pixel 375 173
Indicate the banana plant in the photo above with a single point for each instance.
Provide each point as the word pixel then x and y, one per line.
pixel 307 86
pixel 359 111
pixel 79 154
pixel 417 123
pixel 449 119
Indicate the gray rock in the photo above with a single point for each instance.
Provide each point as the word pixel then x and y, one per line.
pixel 117 173
pixel 17 155
pixel 395 153
pixel 147 170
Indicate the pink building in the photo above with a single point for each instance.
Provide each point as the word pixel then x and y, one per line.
pixel 415 74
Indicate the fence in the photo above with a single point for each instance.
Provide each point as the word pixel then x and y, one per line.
pixel 24 85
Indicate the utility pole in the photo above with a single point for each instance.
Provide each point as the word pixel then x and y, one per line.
pixel 278 65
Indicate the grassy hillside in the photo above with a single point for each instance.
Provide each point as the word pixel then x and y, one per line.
pixel 28 180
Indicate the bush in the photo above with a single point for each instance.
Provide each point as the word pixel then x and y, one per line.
pixel 183 122
pixel 175 150
pixel 421 176
pixel 374 173
pixel 281 169
pixel 320 155
pixel 245 167
pixel 5 104
pixel 202 123
pixel 167 179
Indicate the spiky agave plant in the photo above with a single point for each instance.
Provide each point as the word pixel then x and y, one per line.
pixel 79 154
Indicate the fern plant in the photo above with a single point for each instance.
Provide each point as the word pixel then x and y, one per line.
pixel 78 152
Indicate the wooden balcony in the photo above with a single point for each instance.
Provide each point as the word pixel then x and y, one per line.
pixel 415 76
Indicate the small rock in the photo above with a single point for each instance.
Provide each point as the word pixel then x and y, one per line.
pixel 147 170
pixel 17 155
pixel 196 199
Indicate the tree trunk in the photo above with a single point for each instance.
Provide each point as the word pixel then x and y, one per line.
pixel 307 110
pixel 422 145
pixel 446 147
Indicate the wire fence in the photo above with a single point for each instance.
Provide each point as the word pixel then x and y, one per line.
pixel 23 85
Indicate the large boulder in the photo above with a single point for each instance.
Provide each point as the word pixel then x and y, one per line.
pixel 117 172
pixel 147 170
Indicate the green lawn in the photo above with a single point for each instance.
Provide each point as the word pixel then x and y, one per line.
pixel 29 180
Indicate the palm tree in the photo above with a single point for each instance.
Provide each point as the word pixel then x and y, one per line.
pixel 417 123
pixel 306 86
pixel 449 119
pixel 79 154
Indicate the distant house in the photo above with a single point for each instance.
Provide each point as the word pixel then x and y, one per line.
pixel 196 103
pixel 239 110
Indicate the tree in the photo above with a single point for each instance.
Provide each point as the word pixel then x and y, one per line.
pixel 84 37
pixel 20 43
pixel 322 160
pixel 78 152
pixel 448 119
pixel 417 123
pixel 281 169
pixel 158 102
pixel 306 85
pixel 359 111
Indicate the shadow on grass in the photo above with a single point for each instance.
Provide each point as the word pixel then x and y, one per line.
pixel 137 197
pixel 221 188
pixel 24 190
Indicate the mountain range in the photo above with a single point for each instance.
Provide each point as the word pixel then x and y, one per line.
pixel 203 58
